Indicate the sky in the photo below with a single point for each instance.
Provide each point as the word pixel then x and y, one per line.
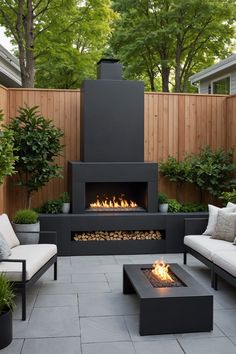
pixel 4 41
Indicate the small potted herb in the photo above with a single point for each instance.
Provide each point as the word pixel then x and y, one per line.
pixel 6 308
pixel 26 226
pixel 65 200
pixel 163 203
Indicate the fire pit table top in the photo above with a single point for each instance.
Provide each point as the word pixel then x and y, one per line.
pixel 181 309
pixel 145 289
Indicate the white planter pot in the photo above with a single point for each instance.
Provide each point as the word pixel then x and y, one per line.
pixel 163 208
pixel 24 237
pixel 65 208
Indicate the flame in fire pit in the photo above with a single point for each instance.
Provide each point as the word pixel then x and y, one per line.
pixel 161 270
pixel 114 203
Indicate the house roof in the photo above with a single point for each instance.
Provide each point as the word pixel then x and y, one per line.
pixel 222 65
pixel 10 75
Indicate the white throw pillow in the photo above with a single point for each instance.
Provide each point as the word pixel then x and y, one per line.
pixel 229 204
pixel 8 232
pixel 5 250
pixel 212 220
pixel 225 227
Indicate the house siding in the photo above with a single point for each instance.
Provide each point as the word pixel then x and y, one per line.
pixel 204 84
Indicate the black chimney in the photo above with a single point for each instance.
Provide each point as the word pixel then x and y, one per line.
pixel 109 69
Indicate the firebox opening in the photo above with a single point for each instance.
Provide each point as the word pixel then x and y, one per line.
pixel 116 196
pixel 117 235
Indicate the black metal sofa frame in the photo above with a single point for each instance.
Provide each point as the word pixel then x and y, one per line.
pixel 49 237
pixel 196 226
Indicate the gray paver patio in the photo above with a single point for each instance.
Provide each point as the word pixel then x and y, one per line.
pixel 85 312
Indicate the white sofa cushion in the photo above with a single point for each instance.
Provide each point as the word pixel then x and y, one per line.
pixel 212 220
pixel 225 227
pixel 207 246
pixel 35 255
pixel 8 232
pixel 5 250
pixel 226 260
pixel 229 204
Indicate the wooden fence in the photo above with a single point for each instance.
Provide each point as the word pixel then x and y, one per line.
pixel 175 124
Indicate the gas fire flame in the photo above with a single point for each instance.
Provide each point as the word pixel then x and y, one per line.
pixel 161 270
pixel 114 203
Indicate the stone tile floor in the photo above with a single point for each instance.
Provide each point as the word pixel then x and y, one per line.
pixel 85 312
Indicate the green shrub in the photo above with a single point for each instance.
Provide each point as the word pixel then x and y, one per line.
pixel 174 206
pixel 6 294
pixel 193 207
pixel 176 171
pixel 229 196
pixel 25 216
pixel 162 198
pixel 64 197
pixel 51 207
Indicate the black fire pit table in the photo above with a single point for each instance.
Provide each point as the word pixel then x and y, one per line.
pixel 185 308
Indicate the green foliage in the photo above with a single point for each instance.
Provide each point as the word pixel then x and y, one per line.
pixel 7 151
pixel 193 207
pixel 162 198
pixel 176 171
pixel 213 171
pixel 51 207
pixel 229 196
pixel 6 294
pixel 174 206
pixel 25 216
pixel 37 142
pixel 171 39
pixel 64 197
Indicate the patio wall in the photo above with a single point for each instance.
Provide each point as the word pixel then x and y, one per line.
pixel 4 107
pixel 175 124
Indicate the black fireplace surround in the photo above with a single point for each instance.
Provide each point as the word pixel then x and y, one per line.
pixel 112 144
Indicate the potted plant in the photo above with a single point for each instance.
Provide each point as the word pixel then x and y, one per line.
pixel 163 202
pixel 6 307
pixel 26 226
pixel 65 199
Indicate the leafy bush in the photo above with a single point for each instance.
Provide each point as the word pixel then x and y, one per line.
pixel 229 196
pixel 193 207
pixel 7 151
pixel 37 142
pixel 174 206
pixel 6 294
pixel 162 198
pixel 51 207
pixel 25 216
pixel 64 197
pixel 176 171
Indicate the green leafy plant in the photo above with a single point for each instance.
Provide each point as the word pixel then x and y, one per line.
pixel 25 216
pixel 229 196
pixel 51 207
pixel 213 171
pixel 174 206
pixel 6 294
pixel 64 197
pixel 7 151
pixel 193 207
pixel 37 142
pixel 162 198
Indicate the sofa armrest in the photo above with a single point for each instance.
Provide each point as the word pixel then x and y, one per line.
pixel 195 226
pixel 23 263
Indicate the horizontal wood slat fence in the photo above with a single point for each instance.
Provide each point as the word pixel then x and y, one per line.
pixel 175 124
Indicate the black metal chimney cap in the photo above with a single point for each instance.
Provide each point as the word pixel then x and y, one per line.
pixel 107 60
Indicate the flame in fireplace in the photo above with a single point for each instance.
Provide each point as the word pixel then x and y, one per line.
pixel 113 203
pixel 161 270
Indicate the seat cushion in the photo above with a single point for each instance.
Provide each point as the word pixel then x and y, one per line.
pixel 207 246
pixel 8 232
pixel 226 260
pixel 35 255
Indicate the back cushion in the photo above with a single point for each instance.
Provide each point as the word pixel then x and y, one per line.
pixel 7 231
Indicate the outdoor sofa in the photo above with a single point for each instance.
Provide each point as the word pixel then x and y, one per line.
pixel 26 263
pixel 219 254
